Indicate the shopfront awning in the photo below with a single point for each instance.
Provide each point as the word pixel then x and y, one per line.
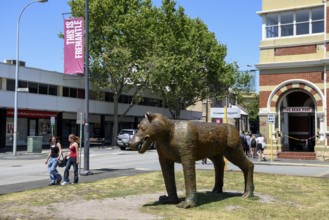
pixel 242 111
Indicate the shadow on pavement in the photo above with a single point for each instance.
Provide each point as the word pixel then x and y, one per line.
pixel 97 174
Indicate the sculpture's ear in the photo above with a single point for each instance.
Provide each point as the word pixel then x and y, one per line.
pixel 150 116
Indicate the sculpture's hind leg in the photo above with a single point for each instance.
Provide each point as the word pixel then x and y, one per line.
pixel 219 164
pixel 237 157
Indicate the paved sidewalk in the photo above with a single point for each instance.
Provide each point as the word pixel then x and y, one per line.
pixel 24 155
pixel 291 162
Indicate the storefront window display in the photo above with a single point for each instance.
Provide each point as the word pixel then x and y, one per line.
pixel 21 131
pixel 29 123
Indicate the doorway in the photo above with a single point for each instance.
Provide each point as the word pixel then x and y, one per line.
pixel 297 119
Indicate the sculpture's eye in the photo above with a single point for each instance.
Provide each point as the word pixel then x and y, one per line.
pixel 142 128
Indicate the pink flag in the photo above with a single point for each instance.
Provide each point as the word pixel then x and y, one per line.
pixel 74 46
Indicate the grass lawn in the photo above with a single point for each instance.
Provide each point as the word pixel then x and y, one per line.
pixel 276 197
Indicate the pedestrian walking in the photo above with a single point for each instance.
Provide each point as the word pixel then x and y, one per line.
pixel 244 143
pixel 253 145
pixel 52 161
pixel 260 147
pixel 248 138
pixel 73 160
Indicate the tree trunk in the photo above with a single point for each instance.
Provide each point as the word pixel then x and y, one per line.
pixel 115 119
pixel 177 112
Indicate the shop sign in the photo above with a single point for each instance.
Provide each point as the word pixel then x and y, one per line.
pixel 31 114
pixel 297 109
pixel 230 113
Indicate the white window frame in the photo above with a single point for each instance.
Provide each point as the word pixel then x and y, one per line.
pixel 310 23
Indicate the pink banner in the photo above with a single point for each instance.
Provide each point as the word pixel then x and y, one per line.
pixel 74 46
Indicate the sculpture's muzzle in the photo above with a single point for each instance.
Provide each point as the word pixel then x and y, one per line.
pixel 140 144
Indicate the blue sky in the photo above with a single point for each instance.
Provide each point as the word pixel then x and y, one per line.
pixel 235 24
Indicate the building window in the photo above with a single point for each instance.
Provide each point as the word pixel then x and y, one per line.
pixel 109 97
pixel 52 90
pixel 39 88
pixel 10 85
pixel 317 20
pixel 287 24
pixel 96 95
pixel 66 92
pixel 272 25
pixel 294 23
pixel 73 93
pixel 33 87
pixel 302 22
pixel 81 93
pixel 43 89
pixel 125 99
pixel 22 84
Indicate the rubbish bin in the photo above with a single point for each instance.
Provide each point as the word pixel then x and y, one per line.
pixel 34 144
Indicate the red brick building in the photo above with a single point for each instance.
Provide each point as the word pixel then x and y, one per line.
pixel 293 77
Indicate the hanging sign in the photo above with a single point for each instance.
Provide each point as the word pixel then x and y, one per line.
pixel 74 46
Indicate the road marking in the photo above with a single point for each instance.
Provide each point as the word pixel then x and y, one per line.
pixel 142 169
pixel 118 153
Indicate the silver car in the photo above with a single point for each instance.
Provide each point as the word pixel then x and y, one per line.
pixel 124 136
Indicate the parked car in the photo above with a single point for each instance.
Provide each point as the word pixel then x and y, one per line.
pixel 124 136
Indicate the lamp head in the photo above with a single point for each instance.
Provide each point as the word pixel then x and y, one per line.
pixel 43 1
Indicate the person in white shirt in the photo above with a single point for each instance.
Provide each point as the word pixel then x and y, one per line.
pixel 260 147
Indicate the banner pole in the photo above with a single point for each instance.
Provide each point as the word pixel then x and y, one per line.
pixel 86 170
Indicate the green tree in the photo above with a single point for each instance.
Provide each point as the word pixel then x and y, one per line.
pixel 134 45
pixel 120 33
pixel 191 63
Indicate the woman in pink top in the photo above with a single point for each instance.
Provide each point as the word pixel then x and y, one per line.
pixel 73 159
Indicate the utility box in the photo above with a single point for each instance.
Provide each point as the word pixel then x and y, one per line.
pixel 34 144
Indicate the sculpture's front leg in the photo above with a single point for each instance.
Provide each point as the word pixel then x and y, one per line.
pixel 188 163
pixel 168 172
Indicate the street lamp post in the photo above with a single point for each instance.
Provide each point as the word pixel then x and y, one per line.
pixel 325 72
pixel 16 75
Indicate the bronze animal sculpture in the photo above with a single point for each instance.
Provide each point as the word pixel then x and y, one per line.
pixel 186 142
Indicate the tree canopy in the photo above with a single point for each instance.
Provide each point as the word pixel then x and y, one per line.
pixel 191 62
pixel 135 45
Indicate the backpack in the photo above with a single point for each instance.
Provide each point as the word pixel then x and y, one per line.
pixel 253 142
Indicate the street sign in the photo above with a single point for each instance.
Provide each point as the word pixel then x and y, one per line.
pixel 52 120
pixel 80 118
pixel 22 89
pixel 271 118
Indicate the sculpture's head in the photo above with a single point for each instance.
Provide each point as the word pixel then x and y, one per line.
pixel 149 130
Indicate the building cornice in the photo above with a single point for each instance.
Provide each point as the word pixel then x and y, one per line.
pixel 286 65
pixel 260 13
pixel 318 42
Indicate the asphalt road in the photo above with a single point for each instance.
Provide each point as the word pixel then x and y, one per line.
pixel 28 170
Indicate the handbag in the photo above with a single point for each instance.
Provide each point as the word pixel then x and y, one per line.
pixel 62 161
